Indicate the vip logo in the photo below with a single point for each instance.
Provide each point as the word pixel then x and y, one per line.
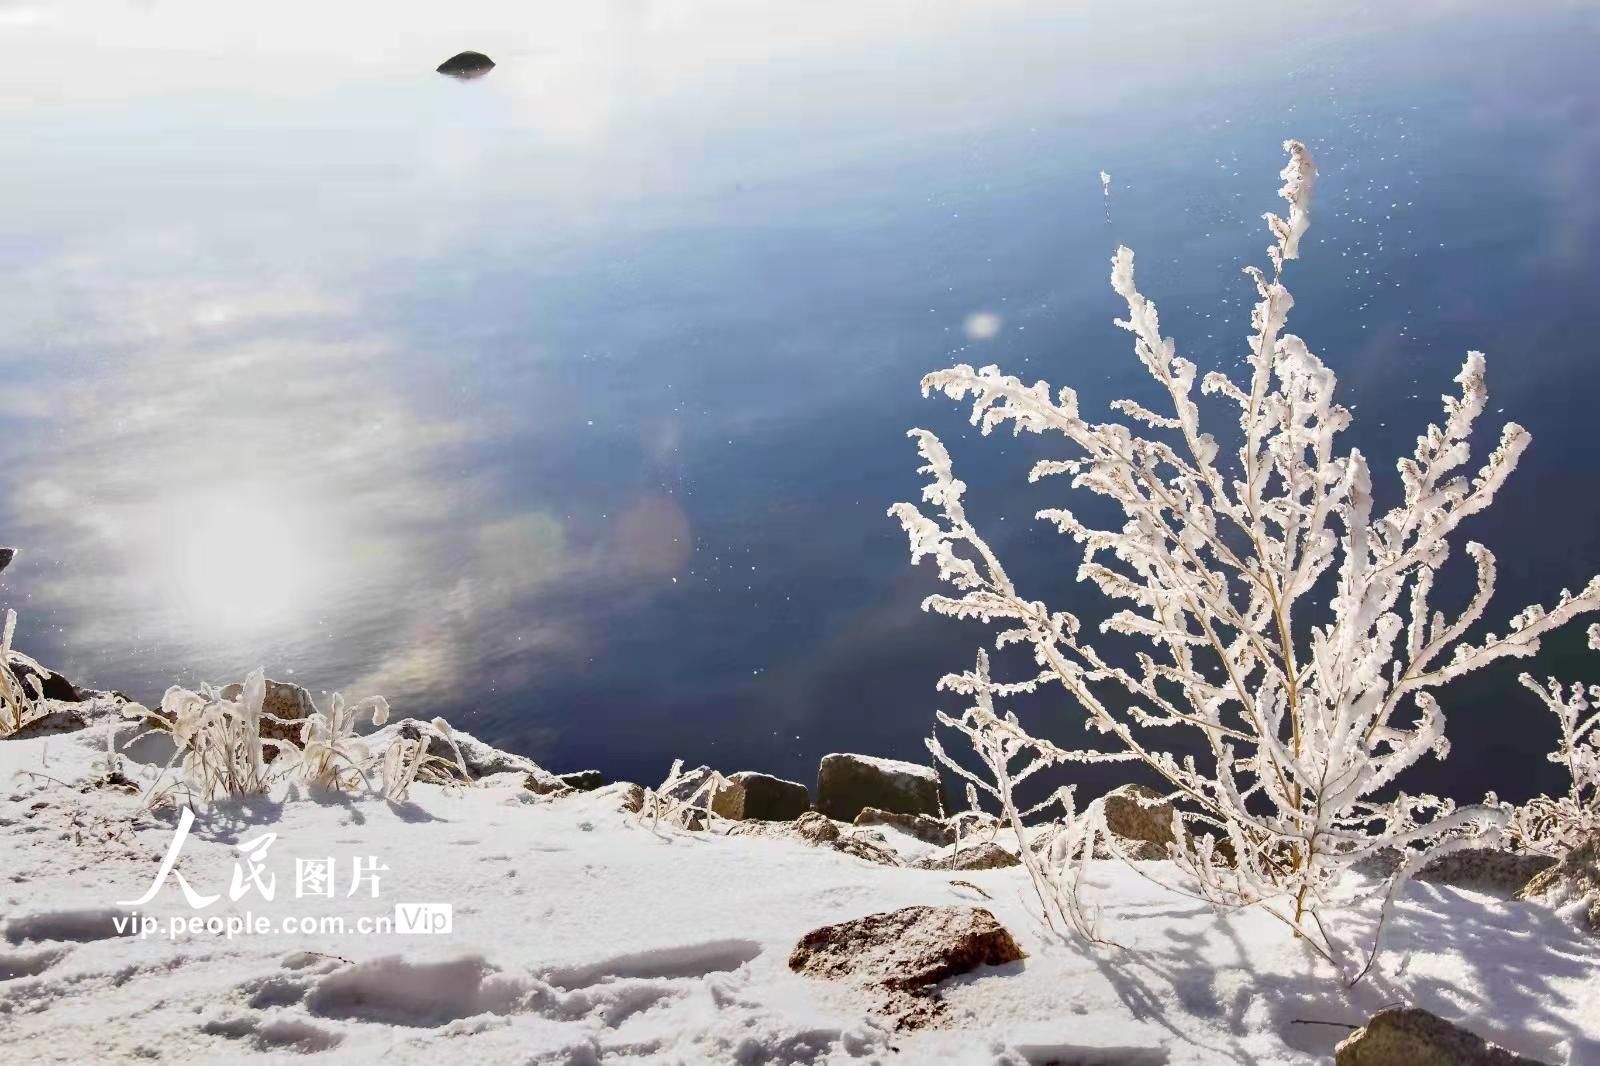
pixel 429 918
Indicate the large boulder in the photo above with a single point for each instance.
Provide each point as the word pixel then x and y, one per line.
pixel 1489 870
pixel 761 797
pixel 1138 812
pixel 848 784
pixel 1574 882
pixel 926 829
pixel 1410 1036
pixel 6 555
pixel 899 956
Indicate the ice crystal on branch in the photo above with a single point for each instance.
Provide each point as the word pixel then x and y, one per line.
pixel 1306 727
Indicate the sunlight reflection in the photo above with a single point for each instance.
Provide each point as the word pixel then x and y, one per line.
pixel 240 558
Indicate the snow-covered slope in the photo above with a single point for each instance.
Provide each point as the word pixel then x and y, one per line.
pixel 581 937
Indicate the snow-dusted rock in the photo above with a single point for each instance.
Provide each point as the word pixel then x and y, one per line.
pixel 847 784
pixel 1491 870
pixel 871 848
pixel 630 797
pixel 761 797
pixel 1411 1036
pixel 1572 882
pixel 583 780
pixel 926 829
pixel 481 759
pixel 284 700
pixel 6 555
pixel 820 831
pixel 972 857
pixel 810 828
pixel 40 680
pixel 903 953
pixel 1137 812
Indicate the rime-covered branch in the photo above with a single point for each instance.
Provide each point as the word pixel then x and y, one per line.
pixel 1305 725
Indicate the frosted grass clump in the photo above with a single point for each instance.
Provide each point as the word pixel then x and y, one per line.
pixel 219 749
pixel 330 755
pixel 408 760
pixel 221 752
pixel 670 802
pixel 1219 564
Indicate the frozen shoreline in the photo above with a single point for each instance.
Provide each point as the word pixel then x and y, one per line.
pixel 580 936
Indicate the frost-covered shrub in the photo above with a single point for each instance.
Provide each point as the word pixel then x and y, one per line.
pixel 1264 606
pixel 682 798
pixel 407 760
pixel 330 755
pixel 1011 755
pixel 219 749
pixel 1557 825
pixel 221 753
pixel 18 706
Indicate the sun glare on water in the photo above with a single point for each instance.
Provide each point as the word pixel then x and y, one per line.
pixel 241 561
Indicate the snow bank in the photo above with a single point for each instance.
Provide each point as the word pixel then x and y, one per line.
pixel 580 937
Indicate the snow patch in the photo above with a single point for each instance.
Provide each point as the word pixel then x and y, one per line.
pixel 397 991
pixel 92 923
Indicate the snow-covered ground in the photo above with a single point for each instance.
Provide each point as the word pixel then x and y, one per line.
pixel 579 936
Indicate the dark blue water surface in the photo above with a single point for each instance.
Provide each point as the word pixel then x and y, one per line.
pixel 568 402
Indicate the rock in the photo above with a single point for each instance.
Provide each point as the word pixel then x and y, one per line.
pixel 848 784
pixel 41 681
pixel 466 65
pixel 864 847
pixel 819 831
pixel 1574 880
pixel 540 784
pixel 61 720
pixel 583 780
pixel 630 797
pixel 928 830
pixel 1135 850
pixel 811 828
pixel 762 797
pixel 1380 864
pixel 6 555
pixel 481 759
pixel 508 779
pixel 815 828
pixel 975 857
pixel 1129 817
pixel 1410 1036
pixel 900 955
pixel 1491 870
pixel 283 700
